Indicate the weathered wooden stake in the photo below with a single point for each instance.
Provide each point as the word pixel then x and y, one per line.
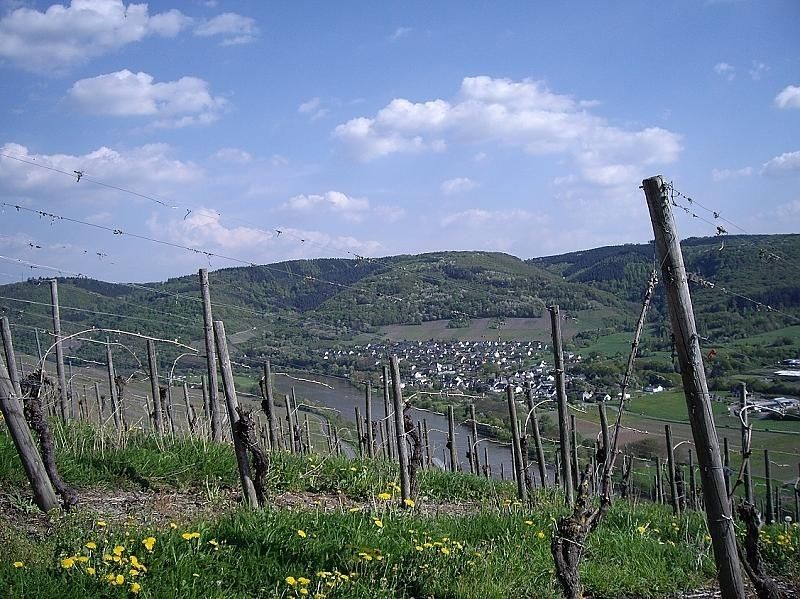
pixel 537 438
pixel 673 481
pixel 290 418
pixel 112 387
pixel 191 416
pixel 561 394
pixel 211 358
pixel 473 448
pixel 522 491
pixel 605 436
pixel 573 431
pixel 487 469
pixel 62 377
pixel 368 416
pixel 248 488
pixel 309 445
pixel 427 439
pixel 269 407
pixel 11 362
pixel 692 483
pixel 387 412
pixel 770 508
pixel 402 449
pixel 11 408
pixel 359 431
pixel 726 465
pixel 659 483
pixel 451 439
pixel 158 417
pixel 687 344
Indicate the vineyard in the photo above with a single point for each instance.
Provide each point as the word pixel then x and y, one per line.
pixel 142 484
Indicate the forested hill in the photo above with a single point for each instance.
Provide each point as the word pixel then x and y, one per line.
pixel 743 269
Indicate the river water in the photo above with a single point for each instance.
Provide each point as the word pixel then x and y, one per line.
pixel 339 394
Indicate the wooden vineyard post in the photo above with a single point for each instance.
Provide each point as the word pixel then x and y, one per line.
pixel 659 483
pixel 98 396
pixel 387 413
pixel 359 431
pixel 770 508
pixel 290 420
pixel 573 431
pixel 561 395
pixel 402 449
pixel 473 448
pixel 115 411
pixel 487 469
pixel 673 481
pixel 158 417
pixel 726 465
pixel 62 377
pixel 748 481
pixel 451 439
pixel 191 417
pixel 427 439
pixel 606 454
pixel 698 400
pixel 248 488
pixel 368 423
pixel 11 408
pixel 269 407
pixel 522 491
pixel 537 438
pixel 211 358
pixel 309 444
pixel 692 483
pixel 8 346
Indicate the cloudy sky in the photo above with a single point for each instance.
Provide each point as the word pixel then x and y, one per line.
pixel 257 132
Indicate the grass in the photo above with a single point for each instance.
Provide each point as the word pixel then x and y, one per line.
pixel 367 547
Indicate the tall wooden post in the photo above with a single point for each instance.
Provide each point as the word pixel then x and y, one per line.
pixel 98 396
pixel 206 410
pixel 402 449
pixel 290 420
pixel 604 434
pixel 153 364
pixel 726 465
pixel 269 398
pixel 487 469
pixel 248 489
pixel 387 412
pixel 770 508
pixel 451 439
pixel 11 409
pixel 573 431
pixel 191 418
pixel 561 394
pixel 522 492
pixel 473 448
pixel 309 444
pixel 659 484
pixel 748 481
pixel 427 438
pixel 673 481
pixel 62 377
pixel 537 438
pixel 38 346
pixel 112 387
pixel 211 358
pixel 359 431
pixel 368 415
pixel 687 344
pixel 11 361
pixel 692 483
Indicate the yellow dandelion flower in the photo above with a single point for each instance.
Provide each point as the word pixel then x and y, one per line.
pixel 148 543
pixel 418 547
pixel 409 502
pixel 214 543
pixel 377 522
pixel 91 571
pixel 82 559
pixel 137 564
pixel 120 579
pixel 134 572
pixel 384 496
pixel 354 509
pixel 91 545
pixel 19 564
pixel 540 535
pixel 291 580
pixel 302 534
pixel 304 581
pixel 173 526
pixel 118 549
pixel 67 562
pixel 529 522
pixel 101 523
pixel 445 551
pixel 135 588
pixel 190 535
pixel 641 529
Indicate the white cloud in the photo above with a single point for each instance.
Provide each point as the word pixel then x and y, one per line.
pixel 233 155
pixel 480 157
pixel 757 69
pixel 332 201
pixel 177 103
pixel 518 113
pixel 789 97
pixel 65 36
pixel 721 174
pixel 787 163
pixel 723 69
pixel 234 28
pixel 478 217
pixel 457 185
pixel 148 169
pixel 313 107
pixel 399 33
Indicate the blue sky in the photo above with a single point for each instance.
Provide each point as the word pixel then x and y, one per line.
pixel 368 129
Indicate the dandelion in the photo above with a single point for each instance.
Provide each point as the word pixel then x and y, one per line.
pixel 148 543
pixel 135 588
pixel 120 579
pixel 445 551
pixel 91 571
pixel 173 526
pixel 101 523
pixel 354 509
pixel 19 564
pixel 137 564
pixel 118 549
pixel 67 562
pixel 409 502
pixel 377 522
pixel 540 535
pixel 304 591
pixel 188 536
pixel 304 581
pixel 91 545
pixel 291 581
pixel 418 547
pixel 641 529
pixel 82 558
pixel 529 522
pixel 302 534
pixel 384 496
